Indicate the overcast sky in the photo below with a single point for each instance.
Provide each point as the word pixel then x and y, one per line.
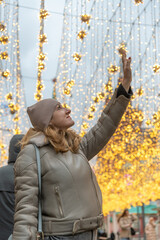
pixel 29 31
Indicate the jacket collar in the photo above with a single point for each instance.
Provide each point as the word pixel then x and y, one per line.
pixel 39 140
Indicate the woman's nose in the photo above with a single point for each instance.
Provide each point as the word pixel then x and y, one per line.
pixel 68 111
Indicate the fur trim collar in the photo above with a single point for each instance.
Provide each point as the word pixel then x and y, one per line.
pixel 39 140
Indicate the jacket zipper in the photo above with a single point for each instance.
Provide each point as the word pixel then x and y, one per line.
pixel 59 201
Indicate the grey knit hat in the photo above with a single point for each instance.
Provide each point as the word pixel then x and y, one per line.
pixel 40 113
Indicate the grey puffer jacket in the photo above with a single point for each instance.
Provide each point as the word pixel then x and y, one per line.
pixel 71 197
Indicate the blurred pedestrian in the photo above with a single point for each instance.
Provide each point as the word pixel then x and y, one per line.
pixel 125 222
pixel 150 229
pixel 7 189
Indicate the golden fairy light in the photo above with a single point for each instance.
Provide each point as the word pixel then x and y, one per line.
pixel 38 96
pixel 85 125
pixel 140 91
pixel 101 95
pixel 156 68
pixel 77 57
pixel 148 122
pixel 2 27
pixel 67 91
pixel 16 119
pixel 113 69
pixel 82 34
pixel 85 18
pixel 4 39
pixel 17 131
pixel 90 116
pixel 71 83
pixel 43 38
pixel 42 56
pixel 41 65
pixel 137 2
pixel 6 73
pixel 43 14
pixel 9 96
pixel 92 108
pixel 4 55
pixel 96 99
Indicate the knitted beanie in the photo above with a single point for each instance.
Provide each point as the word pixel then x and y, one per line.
pixel 40 113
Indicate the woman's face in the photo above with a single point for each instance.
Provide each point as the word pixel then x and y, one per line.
pixel 127 213
pixel 61 118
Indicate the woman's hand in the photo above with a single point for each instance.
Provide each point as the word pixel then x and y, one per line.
pixel 127 72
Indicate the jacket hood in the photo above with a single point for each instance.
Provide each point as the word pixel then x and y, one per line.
pixel 14 147
pixel 39 140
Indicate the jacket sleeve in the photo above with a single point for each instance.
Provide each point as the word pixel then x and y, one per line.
pixel 99 135
pixel 26 195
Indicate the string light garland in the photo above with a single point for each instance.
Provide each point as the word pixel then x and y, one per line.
pixel 13 118
pixel 42 56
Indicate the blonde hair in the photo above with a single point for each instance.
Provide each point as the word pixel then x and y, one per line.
pixel 61 140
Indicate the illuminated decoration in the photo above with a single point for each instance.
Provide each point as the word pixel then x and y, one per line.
pixel 16 119
pixel 85 18
pixel 128 169
pixel 113 69
pixel 96 99
pixel 77 57
pixel 137 2
pixel 4 39
pixel 82 34
pixel 82 133
pixel 38 96
pixel 101 95
pixel 140 91
pixel 148 122
pixel 17 131
pixel 43 14
pixel 85 125
pixel 6 73
pixel 42 56
pixel 90 116
pixel 2 27
pixel 43 38
pixel 156 68
pixel 13 116
pixel 4 55
pixel 67 91
pixel 9 96
pixel 40 86
pixel 71 83
pixel 92 108
pixel 1 1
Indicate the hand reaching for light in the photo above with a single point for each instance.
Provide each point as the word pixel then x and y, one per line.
pixel 127 72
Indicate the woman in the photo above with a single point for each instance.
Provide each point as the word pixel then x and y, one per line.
pixel 150 229
pixel 71 197
pixel 125 222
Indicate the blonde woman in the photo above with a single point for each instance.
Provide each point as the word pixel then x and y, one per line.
pixel 71 197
